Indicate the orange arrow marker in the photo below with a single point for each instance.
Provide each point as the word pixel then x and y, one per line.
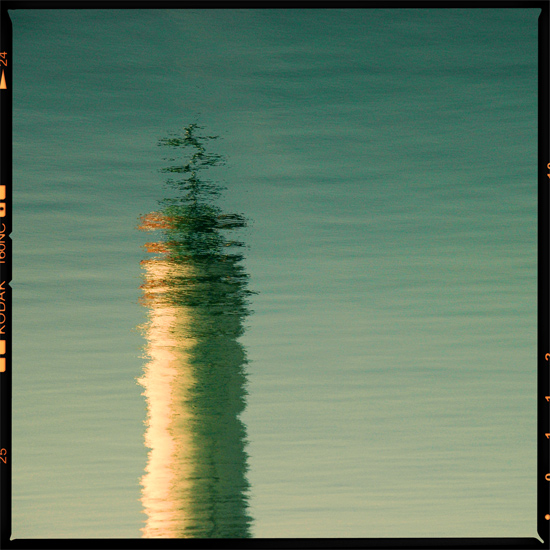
pixel 3 82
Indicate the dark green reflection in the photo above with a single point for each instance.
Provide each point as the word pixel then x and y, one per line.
pixel 196 293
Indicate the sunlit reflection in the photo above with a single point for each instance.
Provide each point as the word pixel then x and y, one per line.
pixel 195 290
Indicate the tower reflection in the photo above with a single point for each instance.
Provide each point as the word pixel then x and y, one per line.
pixel 196 293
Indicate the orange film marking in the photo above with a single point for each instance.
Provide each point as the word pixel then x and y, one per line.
pixel 2 192
pixel 2 347
pixel 547 477
pixel 547 397
pixel 547 516
pixel 547 356
pixel 3 82
pixel 2 364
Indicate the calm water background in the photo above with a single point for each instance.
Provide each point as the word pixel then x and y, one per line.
pixel 387 160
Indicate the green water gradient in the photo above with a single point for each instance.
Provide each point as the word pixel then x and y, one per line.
pixel 387 159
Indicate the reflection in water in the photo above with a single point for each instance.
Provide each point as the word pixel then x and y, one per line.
pixel 196 293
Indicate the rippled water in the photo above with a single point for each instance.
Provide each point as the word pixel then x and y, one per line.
pixel 195 290
pixel 370 197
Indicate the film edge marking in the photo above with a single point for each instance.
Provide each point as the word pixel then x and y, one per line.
pixel 2 287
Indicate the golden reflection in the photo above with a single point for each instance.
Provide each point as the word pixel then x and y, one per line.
pixel 194 381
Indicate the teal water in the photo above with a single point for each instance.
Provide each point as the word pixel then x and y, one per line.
pixel 385 160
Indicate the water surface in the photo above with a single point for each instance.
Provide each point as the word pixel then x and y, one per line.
pixel 195 291
pixel 386 162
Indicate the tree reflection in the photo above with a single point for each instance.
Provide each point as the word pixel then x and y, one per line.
pixel 196 293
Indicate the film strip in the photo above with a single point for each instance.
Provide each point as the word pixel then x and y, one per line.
pixel 5 275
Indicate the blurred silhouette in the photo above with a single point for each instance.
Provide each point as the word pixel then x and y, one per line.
pixel 196 293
